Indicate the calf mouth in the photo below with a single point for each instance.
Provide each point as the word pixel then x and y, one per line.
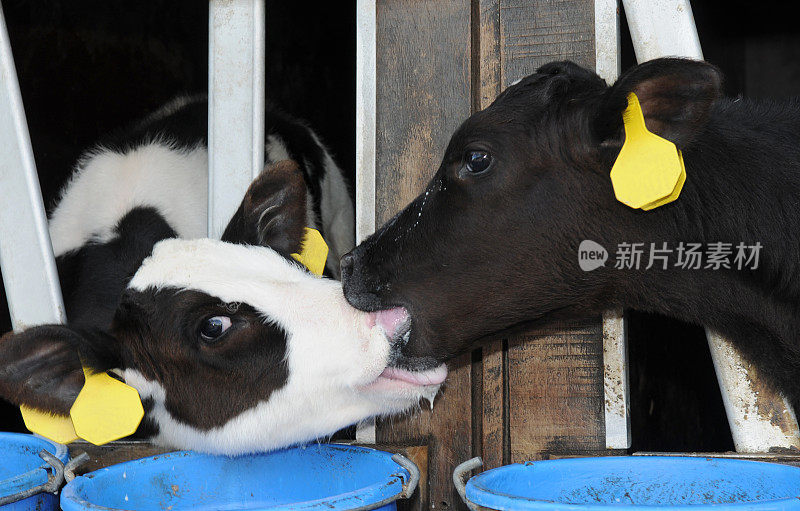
pixel 402 371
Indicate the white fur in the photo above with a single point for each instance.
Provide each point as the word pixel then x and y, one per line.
pixel 334 351
pixel 107 185
pixel 338 214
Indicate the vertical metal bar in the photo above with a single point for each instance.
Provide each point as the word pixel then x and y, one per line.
pixel 366 108
pixel 606 39
pixel 615 347
pixel 759 418
pixel 26 255
pixel 236 39
pixel 366 105
pixel 616 382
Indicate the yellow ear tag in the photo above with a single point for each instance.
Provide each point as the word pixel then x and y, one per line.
pixel 314 252
pixel 649 171
pixel 57 428
pixel 106 409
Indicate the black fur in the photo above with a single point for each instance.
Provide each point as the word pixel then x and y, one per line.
pixel 94 276
pixel 485 255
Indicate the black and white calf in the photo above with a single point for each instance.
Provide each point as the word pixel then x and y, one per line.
pixel 233 346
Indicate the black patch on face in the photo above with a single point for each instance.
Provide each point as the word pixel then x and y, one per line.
pixel 206 383
pixel 94 276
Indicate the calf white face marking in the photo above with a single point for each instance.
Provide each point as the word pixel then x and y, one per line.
pixel 329 362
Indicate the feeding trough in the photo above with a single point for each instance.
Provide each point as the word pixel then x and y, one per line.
pixel 318 476
pixel 32 469
pixel 632 483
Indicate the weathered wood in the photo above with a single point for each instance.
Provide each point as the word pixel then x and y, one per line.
pixel 535 32
pixel 423 94
pixel 438 61
pixel 487 81
pixel 556 391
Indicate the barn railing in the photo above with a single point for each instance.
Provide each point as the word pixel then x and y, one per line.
pixel 236 155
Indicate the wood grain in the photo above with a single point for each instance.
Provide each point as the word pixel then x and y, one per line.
pixel 423 94
pixel 556 391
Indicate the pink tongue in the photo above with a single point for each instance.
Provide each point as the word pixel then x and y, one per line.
pixel 434 376
pixel 391 320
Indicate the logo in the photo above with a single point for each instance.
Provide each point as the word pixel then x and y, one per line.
pixel 591 255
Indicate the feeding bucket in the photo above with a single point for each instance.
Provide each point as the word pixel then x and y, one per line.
pixel 31 469
pixel 326 476
pixel 632 482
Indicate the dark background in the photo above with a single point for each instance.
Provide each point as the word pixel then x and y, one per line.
pixel 87 67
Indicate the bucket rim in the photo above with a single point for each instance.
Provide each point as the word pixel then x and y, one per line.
pixel 37 476
pixel 478 493
pixel 370 496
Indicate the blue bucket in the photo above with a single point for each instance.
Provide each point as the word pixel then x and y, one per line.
pixel 26 479
pixel 316 476
pixel 633 482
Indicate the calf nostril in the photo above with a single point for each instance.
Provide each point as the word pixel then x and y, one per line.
pixel 346 265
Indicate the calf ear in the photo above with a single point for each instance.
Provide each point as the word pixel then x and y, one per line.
pixel 41 366
pixel 273 211
pixel 675 95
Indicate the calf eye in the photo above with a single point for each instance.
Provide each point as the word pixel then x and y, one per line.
pixel 478 161
pixel 213 328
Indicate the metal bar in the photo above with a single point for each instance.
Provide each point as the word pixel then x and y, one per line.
pixel 26 254
pixel 760 419
pixel 662 28
pixel 606 39
pixel 366 108
pixel 615 380
pixel 615 349
pixel 236 95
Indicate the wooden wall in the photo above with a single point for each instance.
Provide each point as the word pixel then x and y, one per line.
pixel 527 397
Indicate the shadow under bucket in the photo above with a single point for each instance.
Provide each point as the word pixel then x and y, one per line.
pixel 27 479
pixel 326 476
pixel 633 482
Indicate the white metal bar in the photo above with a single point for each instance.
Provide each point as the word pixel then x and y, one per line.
pixel 366 108
pixel 236 38
pixel 615 348
pixel 759 418
pixel 662 28
pixel 616 382
pixel 606 39
pixel 26 254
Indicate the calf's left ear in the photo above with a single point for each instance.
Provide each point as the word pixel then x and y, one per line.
pixel 41 366
pixel 273 211
pixel 675 95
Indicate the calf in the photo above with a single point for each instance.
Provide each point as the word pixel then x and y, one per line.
pixel 492 245
pixel 233 346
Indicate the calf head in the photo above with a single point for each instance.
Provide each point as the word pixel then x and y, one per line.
pixel 492 242
pixel 233 347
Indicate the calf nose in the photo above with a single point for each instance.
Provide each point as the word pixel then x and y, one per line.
pixel 346 266
pixel 358 292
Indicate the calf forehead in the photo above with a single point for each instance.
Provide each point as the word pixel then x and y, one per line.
pixel 280 289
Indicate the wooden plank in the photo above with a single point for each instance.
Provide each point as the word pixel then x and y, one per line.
pixel 535 32
pixel 423 94
pixel 486 53
pixel 556 390
pixel 554 376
